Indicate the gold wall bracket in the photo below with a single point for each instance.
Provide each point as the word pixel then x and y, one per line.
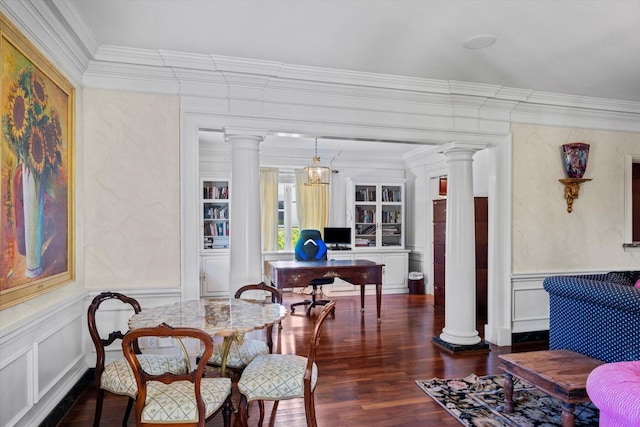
pixel 571 190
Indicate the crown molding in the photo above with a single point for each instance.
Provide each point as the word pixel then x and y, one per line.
pixel 474 106
pixel 244 86
pixel 562 116
pixel 584 102
pixel 85 39
pixel 43 27
pixel 138 78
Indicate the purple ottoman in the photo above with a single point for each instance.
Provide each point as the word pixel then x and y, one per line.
pixel 615 389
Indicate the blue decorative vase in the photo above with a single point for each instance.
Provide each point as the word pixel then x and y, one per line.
pixel 575 156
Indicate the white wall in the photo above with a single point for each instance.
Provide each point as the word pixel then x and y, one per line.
pixel 546 238
pixel 132 189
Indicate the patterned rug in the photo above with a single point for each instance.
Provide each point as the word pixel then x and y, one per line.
pixel 479 401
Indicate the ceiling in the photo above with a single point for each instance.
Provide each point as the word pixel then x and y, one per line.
pixel 574 47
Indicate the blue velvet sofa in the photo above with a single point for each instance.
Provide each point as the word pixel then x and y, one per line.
pixel 596 315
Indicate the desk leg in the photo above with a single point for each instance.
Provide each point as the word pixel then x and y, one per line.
pixel 226 346
pixel 361 298
pixel 378 300
pixel 508 392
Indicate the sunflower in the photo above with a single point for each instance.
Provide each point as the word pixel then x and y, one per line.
pixel 50 143
pixel 17 111
pixel 37 150
pixel 40 96
pixel 55 121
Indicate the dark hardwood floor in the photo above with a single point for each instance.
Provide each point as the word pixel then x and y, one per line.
pixel 367 370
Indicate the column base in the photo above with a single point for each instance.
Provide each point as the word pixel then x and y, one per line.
pixel 460 348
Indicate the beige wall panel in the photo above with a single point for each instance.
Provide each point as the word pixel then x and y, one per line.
pixel 131 184
pixel 545 236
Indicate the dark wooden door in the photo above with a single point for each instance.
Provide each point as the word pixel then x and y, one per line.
pixel 439 248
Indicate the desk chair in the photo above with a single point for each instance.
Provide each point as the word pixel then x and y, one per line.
pixel 168 399
pixel 116 377
pixel 311 247
pixel 278 377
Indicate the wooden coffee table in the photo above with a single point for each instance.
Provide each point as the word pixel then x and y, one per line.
pixel 560 373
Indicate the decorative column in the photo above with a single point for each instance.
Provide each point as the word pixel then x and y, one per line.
pixel 459 332
pixel 245 245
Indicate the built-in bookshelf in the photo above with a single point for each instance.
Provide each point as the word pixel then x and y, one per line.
pixel 215 214
pixel 377 214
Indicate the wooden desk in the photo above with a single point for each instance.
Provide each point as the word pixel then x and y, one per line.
pixel 561 373
pixel 293 274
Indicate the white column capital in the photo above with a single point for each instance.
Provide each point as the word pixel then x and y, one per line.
pixel 461 147
pixel 231 134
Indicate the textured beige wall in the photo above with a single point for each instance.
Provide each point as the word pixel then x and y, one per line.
pixel 545 236
pixel 131 211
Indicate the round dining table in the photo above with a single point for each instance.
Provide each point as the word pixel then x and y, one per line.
pixel 230 318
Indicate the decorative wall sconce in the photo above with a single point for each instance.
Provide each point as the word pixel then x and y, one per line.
pixel 574 157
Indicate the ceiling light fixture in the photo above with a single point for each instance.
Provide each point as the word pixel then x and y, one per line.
pixel 316 174
pixel 480 42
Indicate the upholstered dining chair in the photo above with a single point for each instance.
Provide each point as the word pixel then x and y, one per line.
pixel 311 247
pixel 278 377
pixel 169 399
pixel 116 377
pixel 241 354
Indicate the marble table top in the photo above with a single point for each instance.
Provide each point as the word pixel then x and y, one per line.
pixel 216 316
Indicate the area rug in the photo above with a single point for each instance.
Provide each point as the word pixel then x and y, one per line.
pixel 479 401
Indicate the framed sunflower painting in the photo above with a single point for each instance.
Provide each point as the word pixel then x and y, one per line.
pixel 36 185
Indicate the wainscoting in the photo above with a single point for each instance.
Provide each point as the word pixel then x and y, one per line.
pixel 45 356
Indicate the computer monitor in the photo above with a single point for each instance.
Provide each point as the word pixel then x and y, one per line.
pixel 337 237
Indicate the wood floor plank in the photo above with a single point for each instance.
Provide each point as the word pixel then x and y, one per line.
pixel 367 370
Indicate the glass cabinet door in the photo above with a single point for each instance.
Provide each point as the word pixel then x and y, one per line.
pixel 391 215
pixel 366 221
pixel 378 215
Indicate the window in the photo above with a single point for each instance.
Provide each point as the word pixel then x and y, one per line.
pixel 288 224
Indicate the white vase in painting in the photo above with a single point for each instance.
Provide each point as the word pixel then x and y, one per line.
pixel 33 197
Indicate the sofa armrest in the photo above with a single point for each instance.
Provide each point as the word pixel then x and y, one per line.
pixel 611 295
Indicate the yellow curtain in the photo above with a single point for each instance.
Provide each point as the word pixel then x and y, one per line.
pixel 269 208
pixel 312 203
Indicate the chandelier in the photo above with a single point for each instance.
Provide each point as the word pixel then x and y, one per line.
pixel 316 174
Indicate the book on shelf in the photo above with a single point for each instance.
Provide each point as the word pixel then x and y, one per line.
pixel 391 194
pixel 216 212
pixel 216 229
pixel 362 242
pixel 390 217
pixel 365 194
pixel 368 230
pixel 216 242
pixel 215 192
pixel 390 232
pixel 221 242
pixel 365 215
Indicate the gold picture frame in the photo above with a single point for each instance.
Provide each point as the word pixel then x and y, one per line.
pixel 37 113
